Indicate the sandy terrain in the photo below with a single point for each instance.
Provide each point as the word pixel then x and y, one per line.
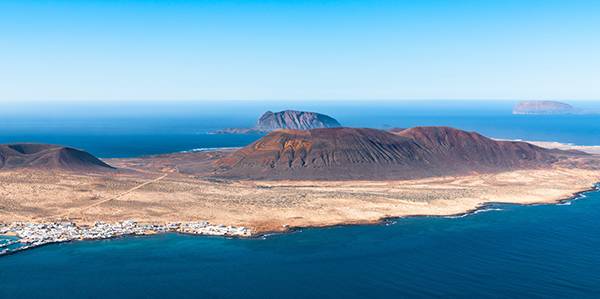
pixel 590 149
pixel 164 195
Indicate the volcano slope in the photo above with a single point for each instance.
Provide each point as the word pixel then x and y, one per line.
pixel 314 178
pixel 48 157
pixel 370 154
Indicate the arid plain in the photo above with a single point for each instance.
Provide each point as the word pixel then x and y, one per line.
pixel 155 190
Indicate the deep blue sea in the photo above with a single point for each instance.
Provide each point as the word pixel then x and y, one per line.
pixel 547 251
pixel 129 129
pixel 509 251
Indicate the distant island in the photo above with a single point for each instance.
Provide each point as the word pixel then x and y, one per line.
pixel 287 119
pixel 543 107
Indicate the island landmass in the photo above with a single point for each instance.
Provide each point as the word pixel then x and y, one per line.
pixel 313 178
pixel 543 107
pixel 287 119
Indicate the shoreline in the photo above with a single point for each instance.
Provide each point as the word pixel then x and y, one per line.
pixel 120 205
pixel 483 207
pixel 589 149
pixel 34 235
pixel 294 229
pixel 383 221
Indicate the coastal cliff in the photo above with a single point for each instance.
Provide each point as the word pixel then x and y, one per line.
pixel 295 120
pixel 287 119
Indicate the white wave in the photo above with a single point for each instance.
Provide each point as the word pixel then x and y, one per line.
pixel 578 197
pixel 570 201
pixel 474 212
pixel 209 149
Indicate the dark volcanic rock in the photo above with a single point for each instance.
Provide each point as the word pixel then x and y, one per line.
pixel 349 153
pixel 295 120
pixel 288 119
pixel 470 150
pixel 543 107
pixel 48 157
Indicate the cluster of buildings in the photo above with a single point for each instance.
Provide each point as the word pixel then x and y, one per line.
pixel 37 234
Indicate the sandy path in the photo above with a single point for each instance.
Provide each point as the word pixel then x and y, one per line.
pixel 83 209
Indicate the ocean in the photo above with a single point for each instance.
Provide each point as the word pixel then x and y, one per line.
pixel 504 251
pixel 131 129
pixel 545 251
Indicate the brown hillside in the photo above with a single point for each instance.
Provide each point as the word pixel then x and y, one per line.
pixel 48 157
pixel 350 153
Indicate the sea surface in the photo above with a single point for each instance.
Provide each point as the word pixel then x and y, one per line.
pixel 503 251
pixel 129 129
pixel 509 251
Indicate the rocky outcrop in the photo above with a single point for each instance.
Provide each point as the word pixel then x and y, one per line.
pixel 288 119
pixel 351 153
pixel 295 120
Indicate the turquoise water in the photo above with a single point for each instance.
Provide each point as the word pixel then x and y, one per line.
pixel 546 251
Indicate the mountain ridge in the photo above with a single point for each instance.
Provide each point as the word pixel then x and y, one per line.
pixel 361 153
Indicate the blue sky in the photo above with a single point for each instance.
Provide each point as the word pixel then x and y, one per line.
pixel 296 50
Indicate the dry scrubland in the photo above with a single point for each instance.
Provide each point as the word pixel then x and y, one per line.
pixel 163 195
